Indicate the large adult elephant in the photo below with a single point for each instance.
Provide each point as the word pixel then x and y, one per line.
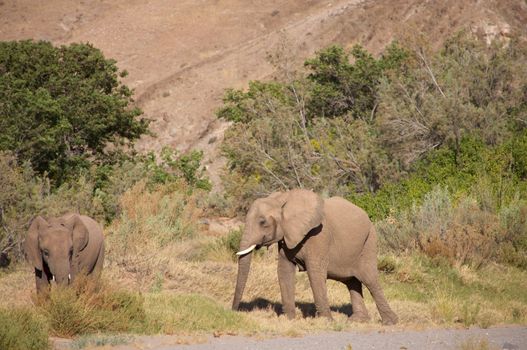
pixel 60 248
pixel 330 238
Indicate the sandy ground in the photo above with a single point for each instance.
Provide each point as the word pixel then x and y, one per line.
pixel 506 338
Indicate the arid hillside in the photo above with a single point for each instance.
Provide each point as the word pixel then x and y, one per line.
pixel 181 55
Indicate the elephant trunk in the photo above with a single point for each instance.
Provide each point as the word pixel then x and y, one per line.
pixel 60 274
pixel 244 264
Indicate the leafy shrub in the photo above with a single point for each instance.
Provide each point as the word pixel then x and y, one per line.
pixel 483 172
pixel 342 87
pixel 513 221
pixel 281 140
pixel 467 88
pixel 88 306
pixel 63 106
pixel 111 182
pixel 472 237
pixel 464 233
pixel 386 264
pixel 232 241
pixel 22 329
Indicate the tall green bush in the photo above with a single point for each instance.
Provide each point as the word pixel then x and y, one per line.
pixel 63 107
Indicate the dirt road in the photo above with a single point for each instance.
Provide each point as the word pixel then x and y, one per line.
pixel 506 338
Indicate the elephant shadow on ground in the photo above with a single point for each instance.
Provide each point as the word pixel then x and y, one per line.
pixel 307 309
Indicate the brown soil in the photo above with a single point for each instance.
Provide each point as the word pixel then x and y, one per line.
pixel 181 55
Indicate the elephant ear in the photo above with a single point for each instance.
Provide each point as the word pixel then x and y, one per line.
pixel 31 246
pixel 302 211
pixel 79 231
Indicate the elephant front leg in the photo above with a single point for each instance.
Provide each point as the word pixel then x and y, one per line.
pixel 317 278
pixel 286 279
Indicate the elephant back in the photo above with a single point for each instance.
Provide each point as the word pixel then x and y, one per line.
pixel 346 220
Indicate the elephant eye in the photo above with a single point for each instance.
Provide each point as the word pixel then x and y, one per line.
pixel 262 221
pixel 45 252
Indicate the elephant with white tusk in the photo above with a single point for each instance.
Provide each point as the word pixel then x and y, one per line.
pixel 329 238
pixel 61 248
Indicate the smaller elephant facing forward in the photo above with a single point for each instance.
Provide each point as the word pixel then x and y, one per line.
pixel 330 238
pixel 61 248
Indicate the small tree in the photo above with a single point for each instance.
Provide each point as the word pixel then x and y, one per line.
pixel 468 88
pixel 62 108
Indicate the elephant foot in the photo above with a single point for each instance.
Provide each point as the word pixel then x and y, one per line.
pixel 326 314
pixel 290 315
pixel 359 317
pixel 390 320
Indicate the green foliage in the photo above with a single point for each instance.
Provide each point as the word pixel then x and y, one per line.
pixel 63 106
pixel 261 99
pixel 467 88
pixel 492 174
pixel 22 329
pixel 187 166
pixel 232 241
pixel 342 87
pixel 281 140
pixel 112 181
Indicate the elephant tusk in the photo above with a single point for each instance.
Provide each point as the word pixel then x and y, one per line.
pixel 53 278
pixel 246 251
pixel 69 276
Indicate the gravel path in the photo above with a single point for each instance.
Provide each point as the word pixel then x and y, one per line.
pixel 509 338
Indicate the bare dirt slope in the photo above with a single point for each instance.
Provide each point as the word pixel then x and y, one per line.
pixel 182 54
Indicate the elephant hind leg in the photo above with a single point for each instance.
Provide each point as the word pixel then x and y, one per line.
pixel 369 276
pixel 360 313
pixel 371 281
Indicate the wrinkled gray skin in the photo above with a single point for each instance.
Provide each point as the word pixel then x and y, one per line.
pixel 61 248
pixel 329 238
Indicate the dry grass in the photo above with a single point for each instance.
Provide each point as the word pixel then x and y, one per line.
pixel 22 329
pixel 154 226
pixel 424 293
pixel 90 306
pixel 171 313
pixel 463 233
pixel 186 283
